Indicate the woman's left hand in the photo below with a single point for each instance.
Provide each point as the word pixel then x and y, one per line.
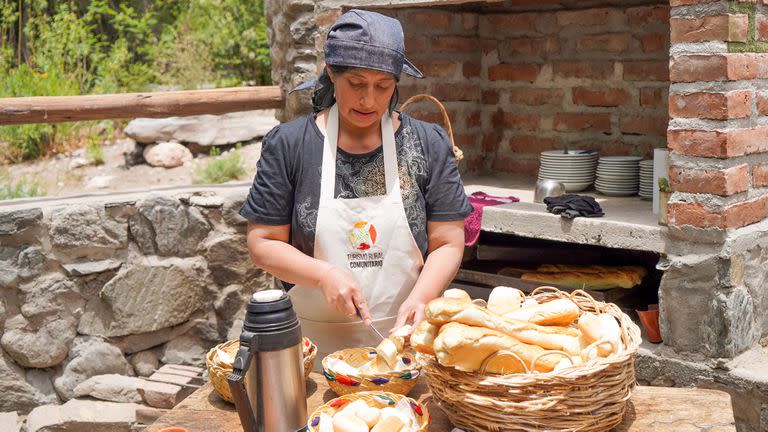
pixel 411 310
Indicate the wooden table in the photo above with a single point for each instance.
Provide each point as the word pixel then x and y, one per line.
pixel 651 409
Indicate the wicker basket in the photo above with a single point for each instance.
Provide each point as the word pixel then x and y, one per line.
pixel 400 382
pixel 373 398
pixel 588 397
pixel 457 153
pixel 219 369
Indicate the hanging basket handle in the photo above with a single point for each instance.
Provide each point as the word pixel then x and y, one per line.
pixel 457 153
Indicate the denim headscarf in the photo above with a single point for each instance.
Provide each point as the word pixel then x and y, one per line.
pixel 363 39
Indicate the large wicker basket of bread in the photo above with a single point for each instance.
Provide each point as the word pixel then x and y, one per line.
pixel 549 361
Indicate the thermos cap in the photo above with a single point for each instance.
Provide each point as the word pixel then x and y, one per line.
pixel 268 296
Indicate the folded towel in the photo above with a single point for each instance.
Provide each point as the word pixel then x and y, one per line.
pixel 473 222
pixel 571 205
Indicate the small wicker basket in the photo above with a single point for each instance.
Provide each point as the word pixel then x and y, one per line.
pixel 372 398
pixel 588 397
pixel 219 369
pixel 400 382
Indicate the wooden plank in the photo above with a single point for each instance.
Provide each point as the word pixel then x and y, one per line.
pixel 678 409
pixel 651 409
pixel 51 109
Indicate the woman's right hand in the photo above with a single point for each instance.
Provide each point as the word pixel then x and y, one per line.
pixel 342 293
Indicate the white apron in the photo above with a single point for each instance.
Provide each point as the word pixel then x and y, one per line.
pixel 369 238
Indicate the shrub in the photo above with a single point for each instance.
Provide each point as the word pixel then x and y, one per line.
pixel 221 168
pixel 21 188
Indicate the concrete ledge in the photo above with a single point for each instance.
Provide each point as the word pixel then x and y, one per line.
pixel 628 222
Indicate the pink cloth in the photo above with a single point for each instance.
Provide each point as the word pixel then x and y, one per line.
pixel 473 222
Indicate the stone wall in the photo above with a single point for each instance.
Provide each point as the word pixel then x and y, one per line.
pixel 114 285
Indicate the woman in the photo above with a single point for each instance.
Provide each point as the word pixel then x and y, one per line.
pixel 349 200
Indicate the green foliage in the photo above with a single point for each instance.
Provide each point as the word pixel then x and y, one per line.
pixel 21 188
pixel 113 46
pixel 221 168
pixel 664 185
pixel 94 150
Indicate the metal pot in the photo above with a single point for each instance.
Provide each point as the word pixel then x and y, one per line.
pixel 547 188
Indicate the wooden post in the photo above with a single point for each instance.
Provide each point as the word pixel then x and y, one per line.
pixel 52 109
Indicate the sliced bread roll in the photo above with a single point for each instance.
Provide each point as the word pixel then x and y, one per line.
pixel 423 337
pixel 560 312
pixel 466 347
pixel 441 311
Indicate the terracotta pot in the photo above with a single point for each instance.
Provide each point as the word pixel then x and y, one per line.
pixel 650 322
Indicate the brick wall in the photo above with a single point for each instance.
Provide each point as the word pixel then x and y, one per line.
pixel 516 84
pixel 718 134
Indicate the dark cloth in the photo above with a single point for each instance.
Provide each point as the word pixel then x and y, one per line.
pixel 571 205
pixel 286 189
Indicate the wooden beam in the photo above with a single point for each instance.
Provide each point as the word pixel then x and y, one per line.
pixel 51 109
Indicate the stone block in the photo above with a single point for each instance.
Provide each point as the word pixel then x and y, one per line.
pixel 83 415
pixel 91 267
pixel 147 295
pixel 166 227
pixel 145 363
pixel 110 387
pixel 79 230
pixel 88 357
pixel 18 221
pixel 163 395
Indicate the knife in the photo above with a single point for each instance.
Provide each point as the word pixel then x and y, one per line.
pixel 357 311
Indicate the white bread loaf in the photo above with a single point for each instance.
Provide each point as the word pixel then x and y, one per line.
pixel 458 294
pixel 348 423
pixel 601 327
pixel 559 312
pixel 423 337
pixel 391 423
pixel 504 300
pixel 466 347
pixel 441 310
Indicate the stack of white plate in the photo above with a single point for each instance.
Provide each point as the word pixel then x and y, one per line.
pixel 575 169
pixel 646 179
pixel 618 175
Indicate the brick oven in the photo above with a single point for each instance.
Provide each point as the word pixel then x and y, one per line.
pixel 622 77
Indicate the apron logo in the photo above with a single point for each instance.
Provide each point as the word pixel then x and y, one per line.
pixel 362 235
pixel 362 238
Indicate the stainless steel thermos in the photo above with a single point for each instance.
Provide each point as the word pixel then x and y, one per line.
pixel 267 379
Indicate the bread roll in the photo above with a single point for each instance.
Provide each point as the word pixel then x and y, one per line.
pixel 560 312
pixel 600 327
pixel 423 337
pixel 370 415
pixel 466 347
pixel 348 423
pixel 325 424
pixel 352 408
pixel 441 310
pixel 505 299
pixel 458 294
pixel 390 423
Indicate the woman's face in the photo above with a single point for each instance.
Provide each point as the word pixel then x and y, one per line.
pixel 363 95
